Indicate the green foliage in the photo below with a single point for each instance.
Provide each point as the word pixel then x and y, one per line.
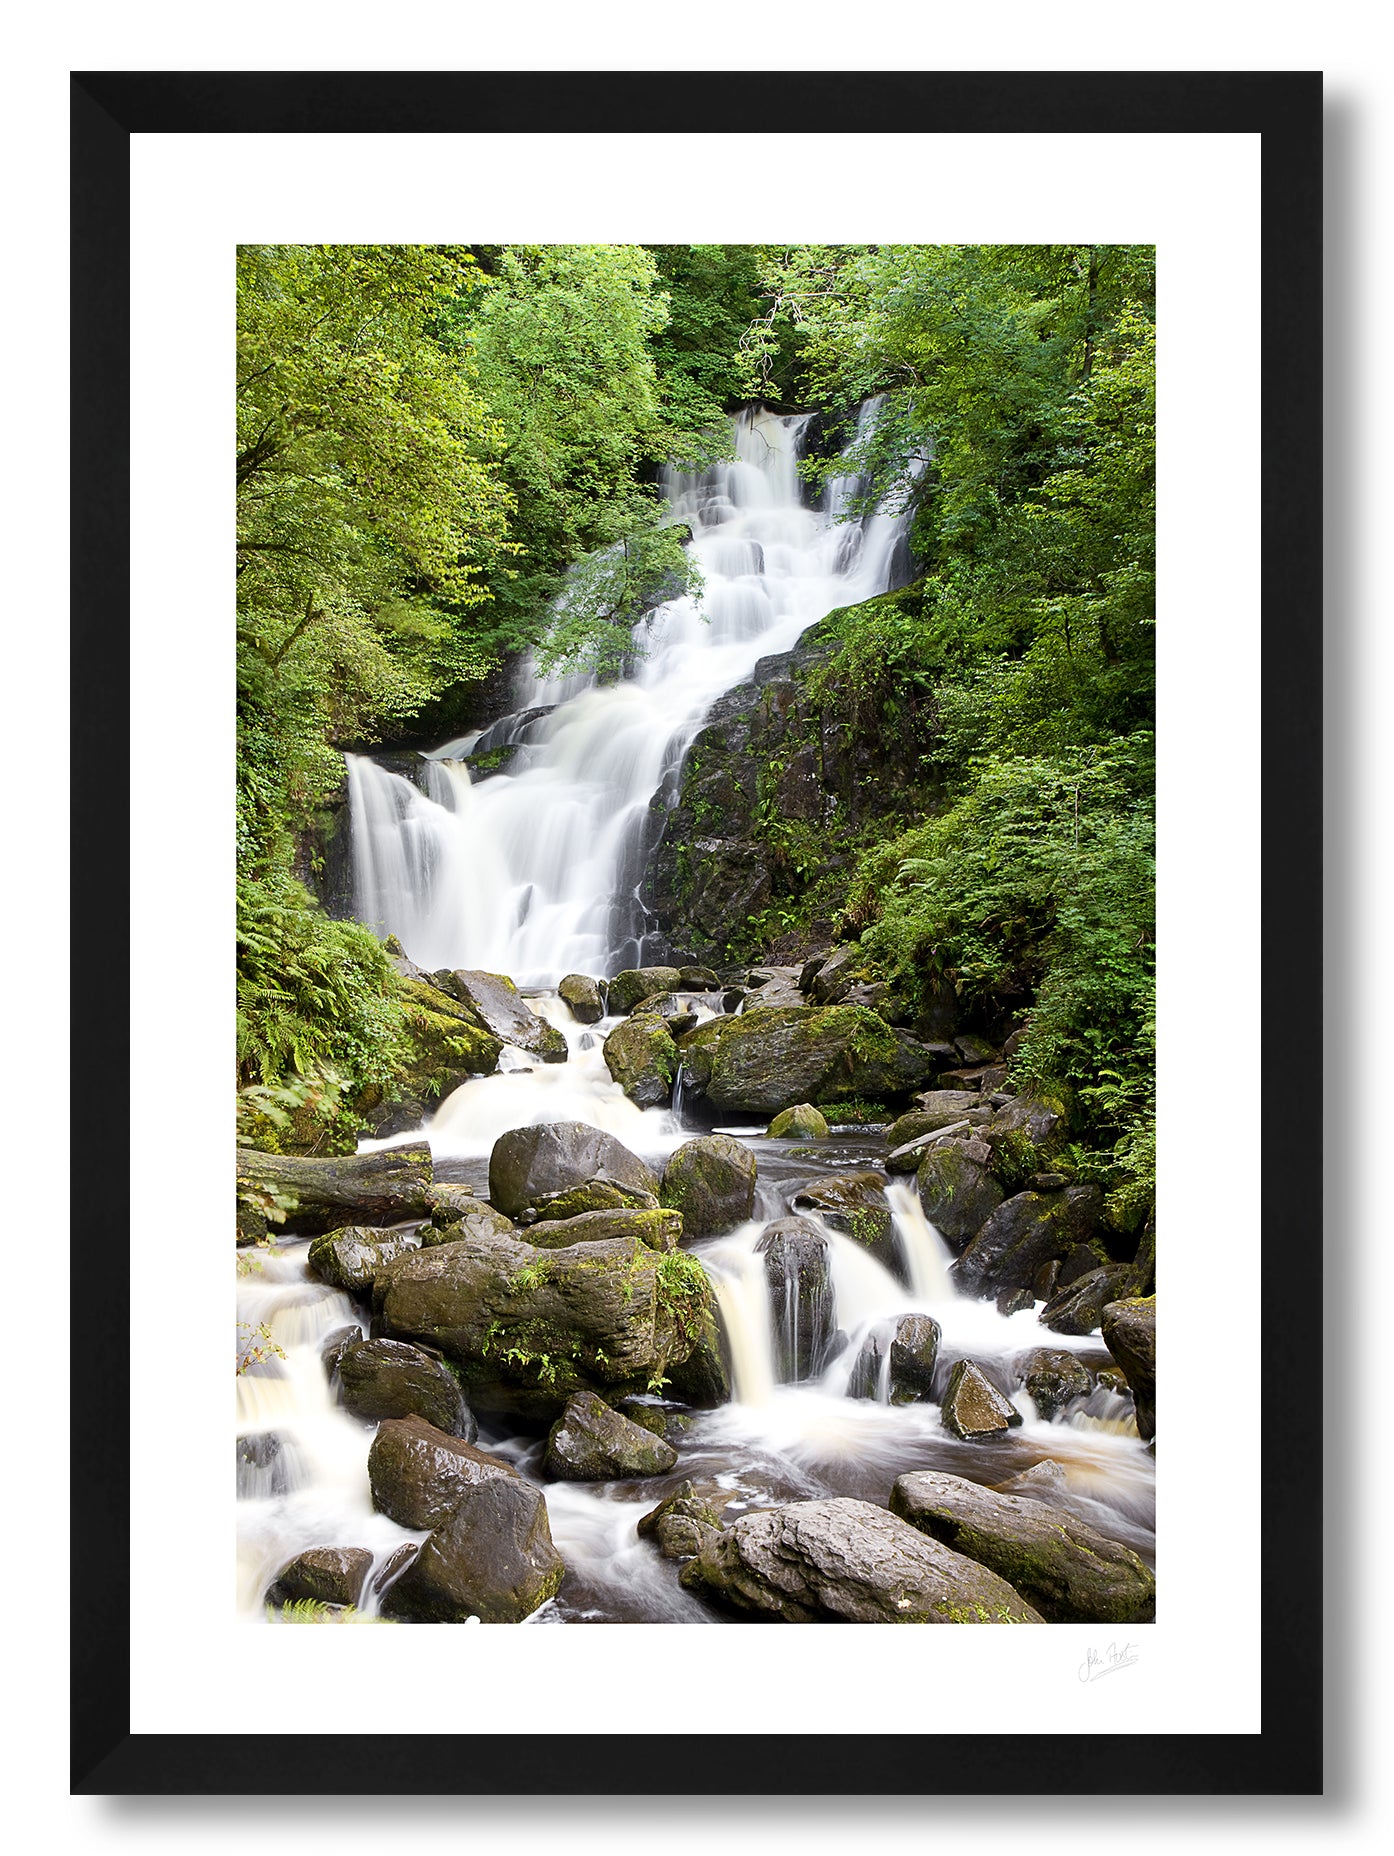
pixel 256 1345
pixel 682 1287
pixel 855 1110
pixel 315 1611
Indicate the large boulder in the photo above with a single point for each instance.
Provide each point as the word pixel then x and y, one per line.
pixel 303 1197
pixel 390 1379
pixel 584 997
pixel 772 1057
pixel 559 1169
pixel 529 1327
pixel 660 1230
pixel 801 1296
pixel 711 1182
pixel 904 1352
pixel 643 1059
pixel 417 1472
pixel 803 1122
pixel 1130 1334
pixel 958 1194
pixel 1079 1308
pixel 351 1258
pixel 1053 1376
pixel 855 1204
pixel 1023 1233
pixel 635 984
pixel 491 1558
pixel 1034 1124
pixel 445 1042
pixel 845 1561
pixel 497 1002
pixel 591 1443
pixel 681 1524
pixel 1068 1571
pixel 972 1405
pixel 324 1576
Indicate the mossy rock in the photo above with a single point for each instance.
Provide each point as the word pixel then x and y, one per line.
pixel 643 1059
pixel 560 1169
pixel 351 1258
pixel 635 984
pixel 590 1442
pixel 775 1057
pixel 800 1123
pixel 711 1182
pixel 958 1194
pixel 660 1230
pixel 584 996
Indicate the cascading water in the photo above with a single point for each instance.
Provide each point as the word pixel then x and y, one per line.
pixel 532 872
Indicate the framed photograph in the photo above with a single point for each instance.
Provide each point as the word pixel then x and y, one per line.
pixel 697 560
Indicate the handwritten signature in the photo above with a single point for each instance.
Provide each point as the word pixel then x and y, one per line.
pixel 1104 1662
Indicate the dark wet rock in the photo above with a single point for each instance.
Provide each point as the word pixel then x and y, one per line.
pixel 562 1168
pixel 929 1120
pixel 854 1203
pixel 845 1561
pixel 833 980
pixel 350 1259
pixel 1036 1120
pixel 527 1327
pixel 770 1058
pixel 661 1230
pixel 324 1575
pixel 492 1558
pixel 590 1442
pixel 711 1182
pixel 1142 1278
pixel 1044 1282
pixel 395 1565
pixel 801 1296
pixel 643 1059
pixel 803 1122
pixel 481 1220
pixel 262 1468
pixel 1046 1182
pixel 334 1344
pixel 628 989
pixel 1078 1260
pixel 497 1001
pixel 974 1050
pixel 1079 1309
pixel 1130 1334
pixel 973 1407
pixel 681 1524
pixel 392 1379
pixel 698 979
pixel 1024 1232
pixel 326 1195
pixel 418 1472
pixel 583 996
pixel 957 1193
pixel 1053 1376
pixel 1014 1301
pixel 913 1346
pixel 732 999
pixel 809 970
pixel 1067 1570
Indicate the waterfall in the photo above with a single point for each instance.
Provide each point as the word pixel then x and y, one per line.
pixel 534 871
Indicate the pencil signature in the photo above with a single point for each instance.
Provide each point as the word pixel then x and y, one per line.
pixel 1103 1662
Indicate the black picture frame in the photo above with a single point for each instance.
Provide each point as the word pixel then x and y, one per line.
pixel 1285 109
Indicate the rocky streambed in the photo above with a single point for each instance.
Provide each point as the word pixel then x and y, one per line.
pixel 597 1345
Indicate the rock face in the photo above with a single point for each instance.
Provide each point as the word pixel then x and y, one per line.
pixel 855 1204
pixel 848 1562
pixel 592 1443
pixel 1023 1233
pixel 389 1379
pixel 643 1059
pixel 325 1195
pixel 957 1193
pixel 418 1473
pixel 913 1347
pixel 1130 1334
pixel 1068 1571
pixel 325 1575
pixel 681 1525
pixel 711 1182
pixel 496 1000
pixel 1053 1376
pixel 801 1296
pixel 562 1168
pixel 973 1407
pixel 527 1328
pixel 635 984
pixel 772 1057
pixel 1079 1308
pixel 660 1230
pixel 583 995
pixel 351 1258
pixel 492 1558
pixel 800 1123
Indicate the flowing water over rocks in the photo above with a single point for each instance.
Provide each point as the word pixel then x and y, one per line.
pixel 839 1351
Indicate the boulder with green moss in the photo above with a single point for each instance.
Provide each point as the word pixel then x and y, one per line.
pixel 847 1562
pixel 1067 1570
pixel 660 1230
pixel 583 995
pixel 528 1327
pixel 773 1057
pixel 855 1204
pixel 681 1524
pixel 323 1576
pixel 351 1258
pixel 480 1220
pixel 711 1182
pixel 1053 1376
pixel 560 1169
pixel 496 1001
pixel 643 1059
pixel 957 1192
pixel 491 1558
pixel 803 1122
pixel 590 1442
pixel 1130 1334
pixel 1023 1233
pixel 628 989
pixel 390 1379
pixel 418 1472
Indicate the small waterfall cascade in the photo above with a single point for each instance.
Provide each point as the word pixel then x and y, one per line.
pixel 534 871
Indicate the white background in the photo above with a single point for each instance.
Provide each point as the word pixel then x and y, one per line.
pixel 1025 37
